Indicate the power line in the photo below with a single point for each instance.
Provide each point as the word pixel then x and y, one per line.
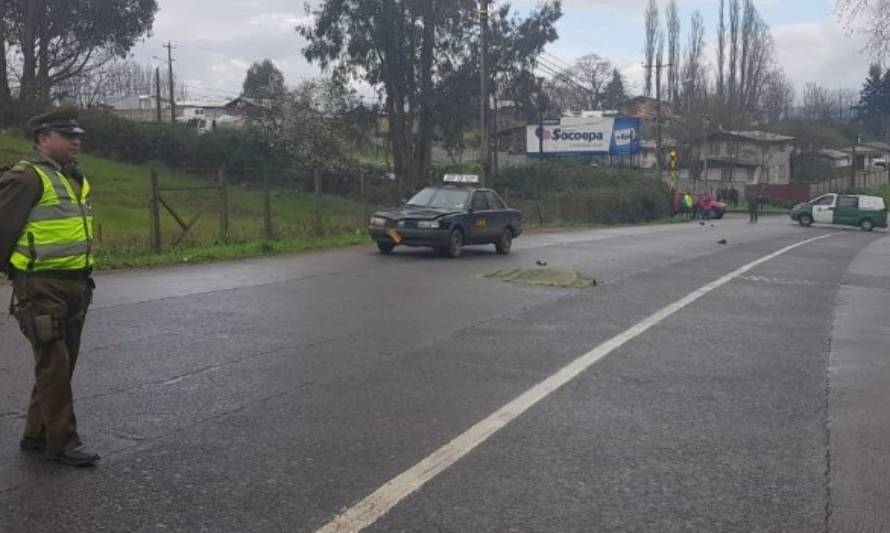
pixel 559 59
pixel 567 74
pixel 564 77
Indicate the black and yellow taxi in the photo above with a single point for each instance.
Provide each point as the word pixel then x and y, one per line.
pixel 447 217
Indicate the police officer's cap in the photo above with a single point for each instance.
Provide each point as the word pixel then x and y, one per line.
pixel 63 120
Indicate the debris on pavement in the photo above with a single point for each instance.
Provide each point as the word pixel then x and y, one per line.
pixel 546 277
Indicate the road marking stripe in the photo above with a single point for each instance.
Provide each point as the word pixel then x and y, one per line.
pixel 382 500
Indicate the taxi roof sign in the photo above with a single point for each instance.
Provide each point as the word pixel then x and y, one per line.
pixel 461 178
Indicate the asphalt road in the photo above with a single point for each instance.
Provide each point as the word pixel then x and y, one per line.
pixel 275 394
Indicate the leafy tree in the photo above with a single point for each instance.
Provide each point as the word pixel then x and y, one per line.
pixel 409 48
pixel 51 41
pixel 874 103
pixel 263 81
pixel 614 92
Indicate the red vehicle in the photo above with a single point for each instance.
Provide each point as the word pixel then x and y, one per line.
pixel 709 207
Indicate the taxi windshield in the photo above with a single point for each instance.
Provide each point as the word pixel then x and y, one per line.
pixel 439 198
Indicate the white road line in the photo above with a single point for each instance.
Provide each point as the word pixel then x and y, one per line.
pixel 381 501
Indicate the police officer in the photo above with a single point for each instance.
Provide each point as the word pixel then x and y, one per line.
pixel 753 208
pixel 46 249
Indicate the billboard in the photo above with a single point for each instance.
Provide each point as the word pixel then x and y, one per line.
pixel 585 136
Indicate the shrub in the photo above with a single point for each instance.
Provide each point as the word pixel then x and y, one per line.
pixel 175 145
pixel 571 191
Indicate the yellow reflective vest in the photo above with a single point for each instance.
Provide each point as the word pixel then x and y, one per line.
pixel 59 232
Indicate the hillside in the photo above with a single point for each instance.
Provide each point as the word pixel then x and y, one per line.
pixel 121 197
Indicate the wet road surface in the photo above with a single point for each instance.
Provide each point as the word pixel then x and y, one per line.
pixel 275 394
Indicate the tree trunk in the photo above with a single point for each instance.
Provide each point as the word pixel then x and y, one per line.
pixel 42 86
pixel 5 93
pixel 423 150
pixel 28 44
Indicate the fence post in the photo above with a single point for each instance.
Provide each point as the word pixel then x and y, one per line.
pixel 267 206
pixel 224 204
pixel 154 212
pixel 317 182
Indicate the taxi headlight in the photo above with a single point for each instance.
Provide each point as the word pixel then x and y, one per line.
pixel 428 224
pixel 378 221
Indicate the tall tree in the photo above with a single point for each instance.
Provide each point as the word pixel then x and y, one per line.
pixel 405 47
pixel 615 92
pixel 871 18
pixel 652 24
pixel 733 51
pixel 673 32
pixel 721 52
pixel 874 103
pixel 777 96
pixel 263 81
pixel 694 72
pixel 758 59
pixel 53 41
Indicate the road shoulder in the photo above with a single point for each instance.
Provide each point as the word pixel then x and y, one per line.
pixel 859 392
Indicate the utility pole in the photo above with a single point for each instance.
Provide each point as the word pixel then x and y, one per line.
pixel 853 165
pixel 484 157
pixel 169 46
pixel 158 92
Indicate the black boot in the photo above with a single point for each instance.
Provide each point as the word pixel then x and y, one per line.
pixel 79 456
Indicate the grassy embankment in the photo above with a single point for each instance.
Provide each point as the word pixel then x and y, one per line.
pixel 120 200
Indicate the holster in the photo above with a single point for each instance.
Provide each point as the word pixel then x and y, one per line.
pixel 39 329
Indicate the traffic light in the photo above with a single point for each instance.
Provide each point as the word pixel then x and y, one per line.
pixel 672 155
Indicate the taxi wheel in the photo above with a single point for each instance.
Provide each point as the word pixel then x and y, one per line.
pixel 505 242
pixel 805 220
pixel 455 243
pixel 385 247
pixel 867 225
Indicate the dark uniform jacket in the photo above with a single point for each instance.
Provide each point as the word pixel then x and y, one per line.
pixel 20 190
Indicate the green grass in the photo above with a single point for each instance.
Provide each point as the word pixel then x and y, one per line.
pixel 180 255
pixel 121 195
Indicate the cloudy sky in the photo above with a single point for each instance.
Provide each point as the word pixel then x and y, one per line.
pixel 217 40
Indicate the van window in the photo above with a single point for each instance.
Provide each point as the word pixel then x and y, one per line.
pixel 848 201
pixel 825 200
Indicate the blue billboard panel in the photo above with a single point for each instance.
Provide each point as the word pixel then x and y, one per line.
pixel 585 136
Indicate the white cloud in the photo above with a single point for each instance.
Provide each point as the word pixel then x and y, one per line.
pixel 821 52
pixel 218 39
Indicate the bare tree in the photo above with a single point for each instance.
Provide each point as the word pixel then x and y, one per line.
pixel 777 96
pixel 759 59
pixel 721 52
pixel 844 102
pixel 673 31
pixel 871 18
pixel 816 102
pixel 652 24
pixel 694 72
pixel 116 80
pixel 581 86
pixel 733 50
